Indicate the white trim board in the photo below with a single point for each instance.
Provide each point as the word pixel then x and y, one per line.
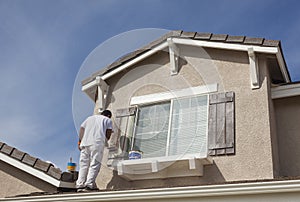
pixel 165 96
pixel 209 44
pixel 289 90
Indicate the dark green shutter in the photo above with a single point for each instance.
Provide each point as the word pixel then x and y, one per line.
pixel 221 124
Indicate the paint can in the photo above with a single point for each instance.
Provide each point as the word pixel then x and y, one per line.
pixel 71 167
pixel 135 155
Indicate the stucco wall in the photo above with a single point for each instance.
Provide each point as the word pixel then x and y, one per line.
pixel 15 182
pixel 230 69
pixel 288 130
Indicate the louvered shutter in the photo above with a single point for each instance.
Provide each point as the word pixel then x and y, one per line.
pixel 120 141
pixel 221 124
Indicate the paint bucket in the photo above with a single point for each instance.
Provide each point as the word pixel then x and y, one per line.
pixel 135 155
pixel 71 166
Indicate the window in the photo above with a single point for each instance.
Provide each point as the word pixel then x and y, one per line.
pixel 185 130
pixel 202 125
pixel 174 128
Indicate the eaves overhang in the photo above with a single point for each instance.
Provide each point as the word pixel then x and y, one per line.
pixel 237 43
pixel 34 172
pixel 287 90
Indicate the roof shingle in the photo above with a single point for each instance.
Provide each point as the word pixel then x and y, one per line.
pixel 17 154
pixel 7 149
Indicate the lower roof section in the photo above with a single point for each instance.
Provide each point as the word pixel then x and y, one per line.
pixel 287 90
pixel 285 190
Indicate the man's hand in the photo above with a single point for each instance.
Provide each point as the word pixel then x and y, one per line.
pixel 81 133
pixel 108 133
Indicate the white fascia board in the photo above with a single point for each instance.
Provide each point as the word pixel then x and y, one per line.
pixel 282 65
pixel 199 43
pixel 89 85
pixel 161 194
pixel 239 47
pixel 159 97
pixel 30 170
pixel 135 60
pixel 125 66
pixel 285 91
pixel 229 46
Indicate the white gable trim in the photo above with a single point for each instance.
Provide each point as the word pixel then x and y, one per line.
pixel 199 43
pixel 239 47
pixel 32 171
pixel 135 60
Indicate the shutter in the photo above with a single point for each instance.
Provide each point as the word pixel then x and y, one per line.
pixel 221 124
pixel 123 129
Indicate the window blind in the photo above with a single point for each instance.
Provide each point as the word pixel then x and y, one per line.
pixel 152 130
pixel 189 126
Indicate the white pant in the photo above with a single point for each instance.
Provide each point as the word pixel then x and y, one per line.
pixel 89 165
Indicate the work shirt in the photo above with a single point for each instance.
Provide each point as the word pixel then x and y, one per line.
pixel 95 130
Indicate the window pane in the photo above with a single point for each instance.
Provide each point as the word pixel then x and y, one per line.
pixel 152 130
pixel 189 126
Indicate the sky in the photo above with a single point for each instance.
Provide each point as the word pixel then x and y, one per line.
pixel 48 46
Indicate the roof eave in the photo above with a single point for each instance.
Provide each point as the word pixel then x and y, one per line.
pixel 261 190
pixel 276 50
pixel 34 172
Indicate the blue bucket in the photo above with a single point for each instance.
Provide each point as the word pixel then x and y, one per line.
pixel 71 166
pixel 135 155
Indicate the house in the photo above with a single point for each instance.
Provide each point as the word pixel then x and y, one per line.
pixel 203 108
pixel 23 174
pixel 213 116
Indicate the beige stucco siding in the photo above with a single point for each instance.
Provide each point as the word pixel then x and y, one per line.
pixel 253 159
pixel 16 182
pixel 230 69
pixel 288 130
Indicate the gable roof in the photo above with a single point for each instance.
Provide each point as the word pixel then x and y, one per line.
pixel 34 166
pixel 197 36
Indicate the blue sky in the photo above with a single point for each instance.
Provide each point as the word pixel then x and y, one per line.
pixel 44 43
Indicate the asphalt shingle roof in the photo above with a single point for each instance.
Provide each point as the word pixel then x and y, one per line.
pixel 35 163
pixel 203 36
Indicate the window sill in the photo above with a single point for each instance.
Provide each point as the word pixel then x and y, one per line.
pixel 163 167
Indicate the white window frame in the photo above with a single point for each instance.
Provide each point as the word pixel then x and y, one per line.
pixel 178 156
pixel 166 96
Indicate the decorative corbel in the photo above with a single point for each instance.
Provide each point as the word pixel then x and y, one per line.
pixel 174 56
pixel 254 72
pixel 102 88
